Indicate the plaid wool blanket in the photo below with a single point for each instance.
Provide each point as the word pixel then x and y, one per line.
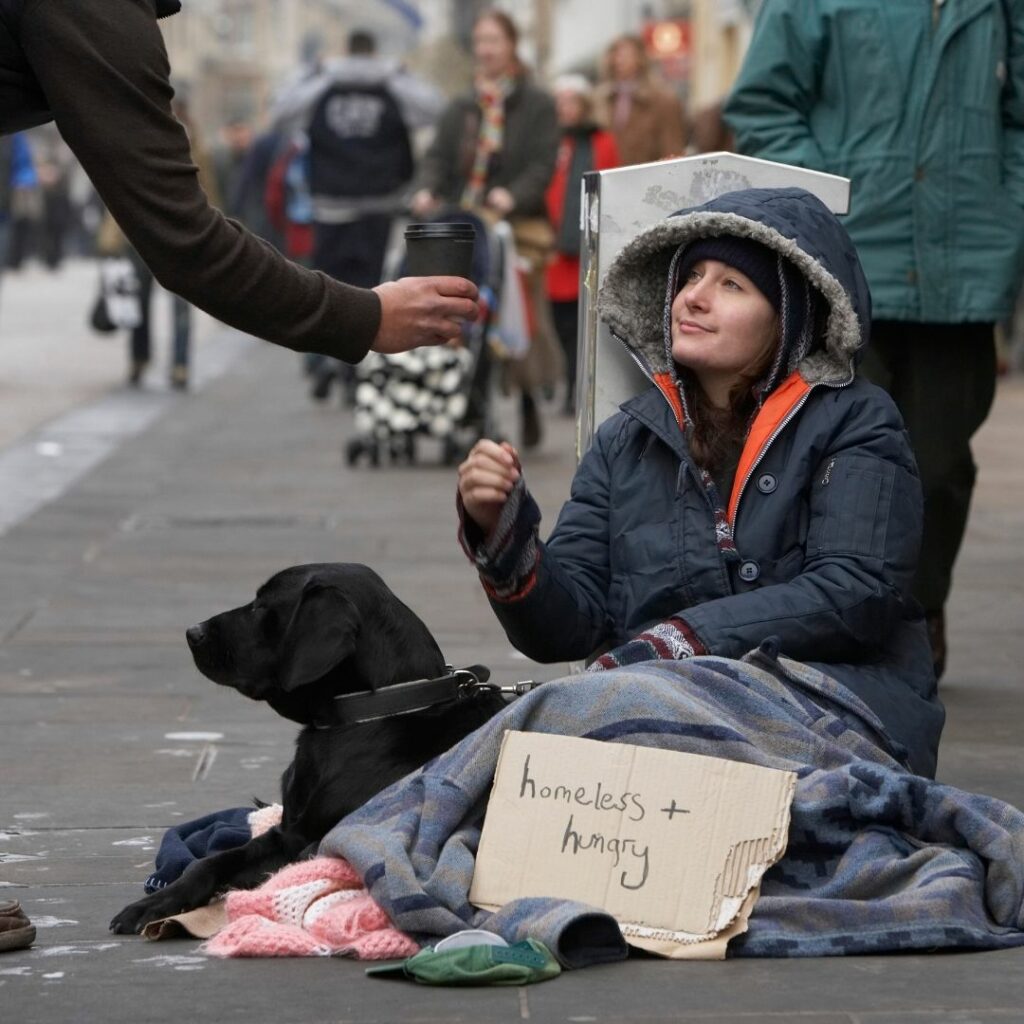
pixel 878 859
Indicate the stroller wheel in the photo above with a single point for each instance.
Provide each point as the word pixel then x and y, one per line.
pixel 403 449
pixel 360 446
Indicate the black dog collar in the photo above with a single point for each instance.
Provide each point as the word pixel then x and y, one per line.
pixel 418 695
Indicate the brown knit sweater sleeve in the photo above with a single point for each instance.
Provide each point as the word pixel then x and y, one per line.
pixel 104 69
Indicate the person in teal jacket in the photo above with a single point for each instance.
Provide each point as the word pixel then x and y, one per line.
pixel 921 105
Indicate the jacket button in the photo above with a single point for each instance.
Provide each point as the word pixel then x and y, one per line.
pixel 766 483
pixel 749 571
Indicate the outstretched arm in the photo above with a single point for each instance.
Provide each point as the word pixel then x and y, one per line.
pixel 105 74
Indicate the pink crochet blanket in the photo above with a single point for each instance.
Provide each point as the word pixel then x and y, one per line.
pixel 313 908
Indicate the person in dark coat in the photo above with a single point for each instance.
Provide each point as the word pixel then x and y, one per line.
pixel 100 71
pixel 584 147
pixel 494 153
pixel 760 488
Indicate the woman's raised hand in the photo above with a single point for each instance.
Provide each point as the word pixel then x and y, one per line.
pixel 485 480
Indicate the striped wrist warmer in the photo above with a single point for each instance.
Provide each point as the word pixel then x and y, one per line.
pixel 671 640
pixel 507 560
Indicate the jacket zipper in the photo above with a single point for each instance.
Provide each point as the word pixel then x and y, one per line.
pixel 644 368
pixel 771 440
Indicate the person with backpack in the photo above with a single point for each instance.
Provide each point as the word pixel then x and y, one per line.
pixel 357 113
pixel 101 72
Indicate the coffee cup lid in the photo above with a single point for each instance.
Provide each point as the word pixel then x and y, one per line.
pixel 450 229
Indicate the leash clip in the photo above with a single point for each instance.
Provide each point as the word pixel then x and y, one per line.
pixel 475 680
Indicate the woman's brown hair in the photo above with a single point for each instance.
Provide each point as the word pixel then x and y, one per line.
pixel 509 29
pixel 717 433
pixel 642 60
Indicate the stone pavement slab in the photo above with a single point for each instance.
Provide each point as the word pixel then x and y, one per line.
pixel 108 735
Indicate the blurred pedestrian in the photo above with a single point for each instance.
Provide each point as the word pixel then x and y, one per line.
pixel 922 106
pixel 584 147
pixel 100 70
pixel 288 202
pixel 17 172
pixel 228 159
pixel 24 206
pixel 708 131
pixel 54 163
pixel 494 153
pixel 358 113
pixel 644 115
pixel 140 338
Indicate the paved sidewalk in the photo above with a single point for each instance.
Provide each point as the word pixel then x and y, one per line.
pixel 108 735
pixel 50 362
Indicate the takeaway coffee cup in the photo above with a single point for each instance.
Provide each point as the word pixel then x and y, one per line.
pixel 439 249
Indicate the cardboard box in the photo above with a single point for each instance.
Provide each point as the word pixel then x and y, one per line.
pixel 672 845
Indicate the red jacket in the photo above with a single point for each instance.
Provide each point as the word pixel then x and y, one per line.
pixel 563 273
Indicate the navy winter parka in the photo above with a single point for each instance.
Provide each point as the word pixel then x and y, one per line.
pixel 825 513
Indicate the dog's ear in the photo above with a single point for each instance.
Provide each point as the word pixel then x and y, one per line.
pixel 322 633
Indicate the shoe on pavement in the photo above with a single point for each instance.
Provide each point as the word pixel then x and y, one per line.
pixel 135 372
pixel 179 378
pixel 16 930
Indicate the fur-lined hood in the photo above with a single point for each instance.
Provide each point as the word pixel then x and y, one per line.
pixel 791 221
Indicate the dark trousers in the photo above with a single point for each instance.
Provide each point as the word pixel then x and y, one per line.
pixel 140 339
pixel 353 253
pixel 942 377
pixel 566 317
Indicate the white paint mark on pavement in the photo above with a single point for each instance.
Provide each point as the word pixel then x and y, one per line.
pixel 51 922
pixel 49 951
pixel 49 461
pixel 178 963
pixel 137 841
pixel 205 737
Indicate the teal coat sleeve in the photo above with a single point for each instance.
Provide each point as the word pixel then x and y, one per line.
pixel 778 85
pixel 1013 105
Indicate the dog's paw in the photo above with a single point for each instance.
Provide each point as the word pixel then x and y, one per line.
pixel 137 915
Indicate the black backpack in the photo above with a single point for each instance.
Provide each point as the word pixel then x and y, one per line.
pixel 358 142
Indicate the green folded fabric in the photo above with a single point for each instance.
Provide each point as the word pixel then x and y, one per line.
pixel 520 964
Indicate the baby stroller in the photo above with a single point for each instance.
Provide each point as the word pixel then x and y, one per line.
pixel 442 392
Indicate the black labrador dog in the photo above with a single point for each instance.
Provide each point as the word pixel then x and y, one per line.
pixel 312 633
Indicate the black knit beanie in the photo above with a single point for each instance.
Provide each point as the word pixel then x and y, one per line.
pixel 751 258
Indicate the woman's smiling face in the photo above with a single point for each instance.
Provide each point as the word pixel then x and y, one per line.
pixel 723 327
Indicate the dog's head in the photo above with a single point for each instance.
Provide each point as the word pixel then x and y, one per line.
pixel 312 632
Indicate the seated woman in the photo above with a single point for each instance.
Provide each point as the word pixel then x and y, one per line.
pixel 758 489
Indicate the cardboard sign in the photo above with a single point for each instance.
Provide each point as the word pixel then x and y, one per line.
pixel 672 845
